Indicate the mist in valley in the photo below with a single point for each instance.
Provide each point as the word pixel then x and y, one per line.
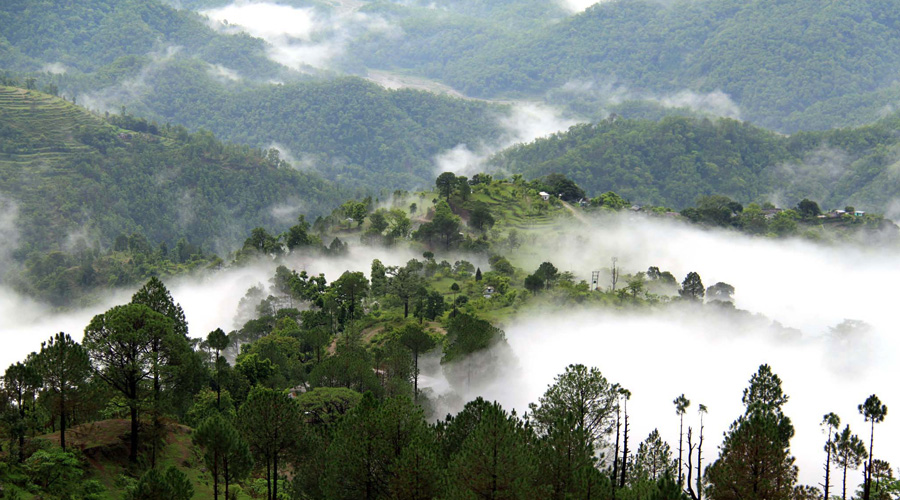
pixel 793 299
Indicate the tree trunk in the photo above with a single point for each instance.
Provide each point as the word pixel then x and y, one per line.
pixel 615 473
pixel 827 468
pixel 868 472
pixel 416 379
pixel 225 476
pixel 700 462
pixel 690 466
pixel 275 476
pixel 844 485
pixel 215 473
pixel 624 447
pixel 62 420
pixel 680 439
pixel 132 455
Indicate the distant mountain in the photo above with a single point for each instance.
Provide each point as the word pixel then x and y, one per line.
pixel 678 159
pixel 71 177
pixel 93 37
pixel 348 129
pixel 788 65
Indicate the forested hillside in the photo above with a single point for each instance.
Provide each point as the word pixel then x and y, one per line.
pixel 75 176
pixel 674 161
pixel 100 36
pixel 347 129
pixel 789 65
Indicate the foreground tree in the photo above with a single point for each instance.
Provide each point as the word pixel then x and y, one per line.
pixel 226 455
pixel 755 461
pixel 584 395
pixel 830 422
pixel 851 453
pixel 873 411
pixel 64 366
pixel 418 341
pixel 120 344
pixel 495 461
pixel 681 405
pixel 270 421
pixel 653 459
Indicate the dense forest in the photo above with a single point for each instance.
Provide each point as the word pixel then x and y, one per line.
pixel 674 161
pixel 317 395
pixel 396 292
pixel 77 182
pixel 788 65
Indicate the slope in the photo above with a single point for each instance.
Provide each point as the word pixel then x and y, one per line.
pixel 678 159
pixel 775 59
pixel 72 176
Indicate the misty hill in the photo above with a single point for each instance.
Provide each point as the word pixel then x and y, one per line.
pixel 74 178
pixel 349 130
pixel 103 37
pixel 674 161
pixel 789 65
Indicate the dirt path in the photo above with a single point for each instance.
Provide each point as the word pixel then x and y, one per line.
pixel 575 213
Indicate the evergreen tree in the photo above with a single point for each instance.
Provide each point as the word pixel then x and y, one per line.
pixel 754 462
pixel 366 458
pixel 418 341
pixel 681 404
pixel 874 412
pixel 496 460
pixel 120 343
pixel 692 287
pixel 64 366
pixel 653 459
pixel 226 455
pixel 850 453
pixel 586 396
pixel 830 423
pixel 270 421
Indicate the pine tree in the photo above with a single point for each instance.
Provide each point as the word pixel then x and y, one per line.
pixel 681 404
pixel 120 344
pixel 225 454
pixel 754 462
pixel 831 423
pixel 850 454
pixel 874 412
pixel 270 421
pixel 496 460
pixel 64 366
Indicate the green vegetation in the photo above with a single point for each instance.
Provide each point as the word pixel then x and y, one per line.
pixel 101 202
pixel 349 130
pixel 678 159
pixel 788 65
pixel 100 38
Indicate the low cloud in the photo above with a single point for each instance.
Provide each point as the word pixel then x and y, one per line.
pixel 224 73
pixel 56 68
pixel 305 162
pixel 525 122
pixel 9 231
pixel 111 99
pixel 299 38
pixel 606 94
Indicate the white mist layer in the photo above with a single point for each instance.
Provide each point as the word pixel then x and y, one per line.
pixel 526 122
pixel 298 37
pixel 657 356
pixel 209 302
